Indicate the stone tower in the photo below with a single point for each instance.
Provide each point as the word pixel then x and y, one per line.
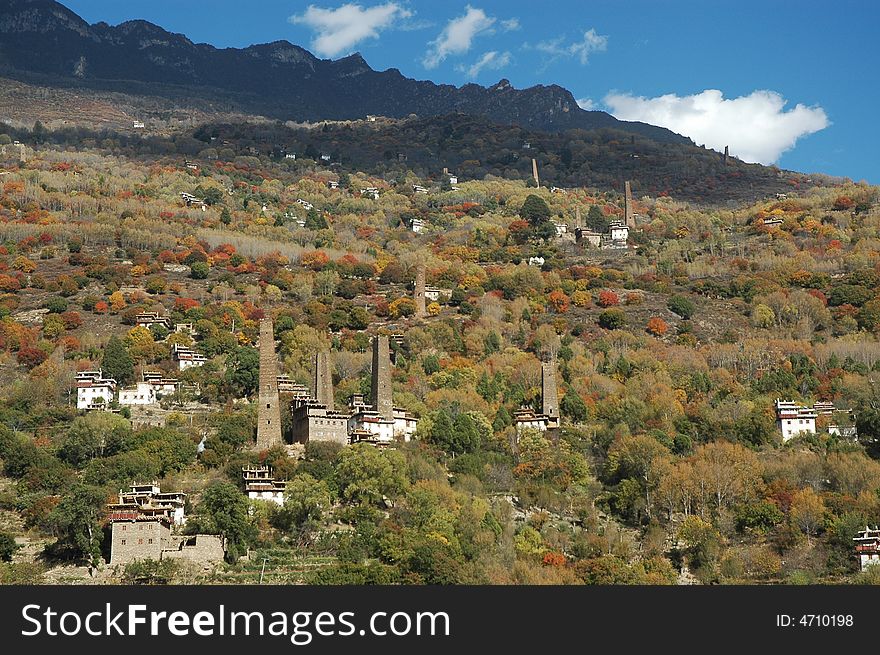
pixel 628 205
pixel 726 153
pixel 269 413
pixel 577 217
pixel 419 292
pixel 549 395
pixel 381 388
pixel 535 171
pixel 323 379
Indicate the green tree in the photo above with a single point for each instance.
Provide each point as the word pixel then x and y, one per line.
pixel 612 319
pixel 94 435
pixel 117 362
pixel 305 500
pixel 7 546
pixel 596 220
pixel 199 270
pixel 225 216
pixel 315 220
pixel 243 371
pixel 535 211
pixel 573 406
pixel 224 511
pixel 368 475
pixel 76 521
pixel 682 305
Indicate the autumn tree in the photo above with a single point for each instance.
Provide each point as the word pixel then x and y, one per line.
pixel 807 511
pixel 657 326
pixel 641 457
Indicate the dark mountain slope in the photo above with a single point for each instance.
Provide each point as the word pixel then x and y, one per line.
pixel 43 40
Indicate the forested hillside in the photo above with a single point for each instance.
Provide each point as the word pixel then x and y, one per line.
pixel 668 467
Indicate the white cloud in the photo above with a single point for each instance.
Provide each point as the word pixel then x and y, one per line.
pixel 756 127
pixel 586 104
pixel 339 30
pixel 591 42
pixel 510 25
pixel 458 35
pixel 490 61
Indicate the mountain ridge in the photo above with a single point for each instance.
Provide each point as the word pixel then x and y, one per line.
pixel 279 79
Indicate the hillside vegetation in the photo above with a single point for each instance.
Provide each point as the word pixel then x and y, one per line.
pixel 671 353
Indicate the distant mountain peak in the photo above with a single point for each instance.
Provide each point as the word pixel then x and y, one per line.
pixel 280 79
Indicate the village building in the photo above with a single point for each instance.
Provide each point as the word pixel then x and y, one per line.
pixel 793 419
pixel 143 393
pixel 269 407
pixel 417 188
pixel 370 192
pixel 142 522
pixel 536 261
pixel 260 484
pixel 314 417
pixel 548 419
pixel 379 421
pixel 418 225
pixel 452 178
pixel 867 547
pixel 287 385
pixel 186 357
pixel 149 319
pixel 185 328
pixel 305 203
pixel 618 234
pixel 162 386
pixel 436 294
pixel 588 237
pixel 94 391
pixel 332 184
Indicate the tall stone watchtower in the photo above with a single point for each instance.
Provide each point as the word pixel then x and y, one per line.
pixel 381 388
pixel 628 205
pixel 419 292
pixel 269 412
pixel 535 172
pixel 549 394
pixel 323 379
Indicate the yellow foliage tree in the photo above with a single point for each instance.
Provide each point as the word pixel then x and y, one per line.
pixel 117 301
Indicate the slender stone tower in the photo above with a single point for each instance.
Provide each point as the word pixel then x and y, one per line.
pixel 381 387
pixel 324 380
pixel 726 153
pixel 577 217
pixel 628 205
pixel 419 292
pixel 269 413
pixel 549 395
pixel 535 171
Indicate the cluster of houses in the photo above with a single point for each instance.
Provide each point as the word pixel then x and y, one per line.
pixel 192 201
pixel 94 392
pixel 794 420
pixel 374 420
pixel 144 524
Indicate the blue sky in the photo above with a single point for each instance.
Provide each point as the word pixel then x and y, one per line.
pixel 785 81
